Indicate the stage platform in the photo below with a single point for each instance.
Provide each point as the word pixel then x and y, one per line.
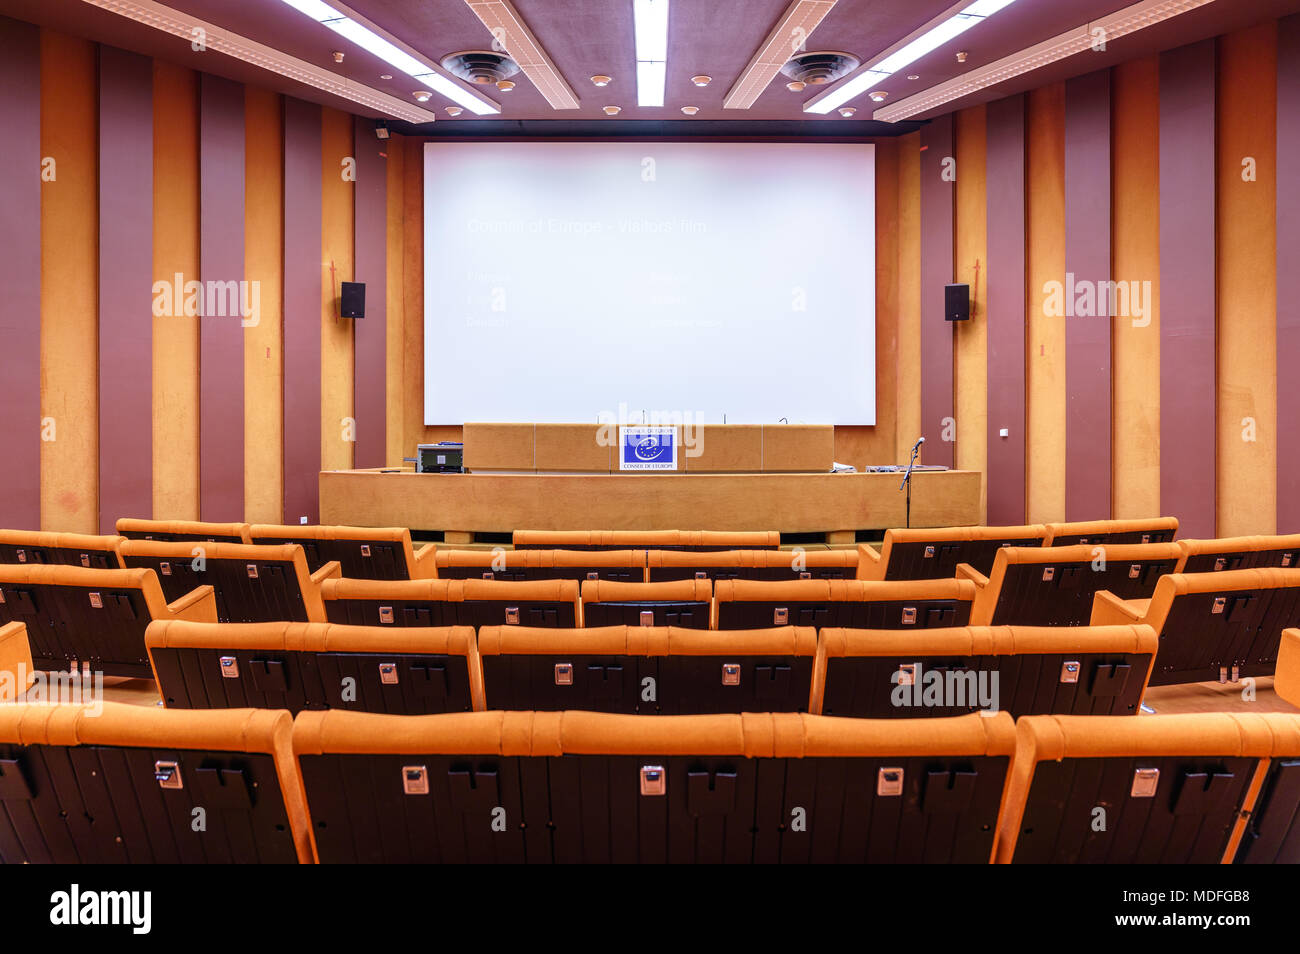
pixel 838 506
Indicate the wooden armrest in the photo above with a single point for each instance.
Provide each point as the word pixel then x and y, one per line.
pixel 331 570
pixel 1287 681
pixel 870 565
pixel 1109 610
pixel 967 572
pixel 199 605
pixel 425 568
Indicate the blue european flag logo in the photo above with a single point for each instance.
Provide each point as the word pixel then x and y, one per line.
pixel 648 448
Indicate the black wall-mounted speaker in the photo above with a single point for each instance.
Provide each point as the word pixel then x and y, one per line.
pixel 956 302
pixel 352 300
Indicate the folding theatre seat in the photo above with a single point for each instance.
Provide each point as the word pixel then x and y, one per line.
pixel 900 604
pixel 687 603
pixel 16 671
pixel 1172 789
pixel 1148 530
pixel 570 786
pixel 1212 625
pixel 476 603
pixel 1239 553
pixel 798 564
pixel 183 531
pixel 646 540
pixel 64 549
pixel 116 783
pixel 627 566
pixel 1271 835
pixel 1023 670
pixel 661 669
pixel 93 618
pixel 1054 586
pixel 364 553
pixel 1287 681
pixel 253 584
pixel 933 554
pixel 298 666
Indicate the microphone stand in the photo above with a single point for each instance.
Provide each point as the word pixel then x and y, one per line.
pixel 907 483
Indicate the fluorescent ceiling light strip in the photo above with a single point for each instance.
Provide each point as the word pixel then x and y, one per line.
pixel 790 32
pixel 511 34
pixel 650 19
pixel 930 39
pixel 347 25
pixel 650 80
pixel 219 40
pixel 1118 24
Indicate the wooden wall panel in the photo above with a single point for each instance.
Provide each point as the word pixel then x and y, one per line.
pixel 937 405
pixel 20 274
pixel 1288 268
pixel 175 257
pixel 1005 204
pixel 395 304
pixel 1247 282
pixel 221 332
pixel 1087 267
pixel 909 295
pixel 304 280
pixel 970 347
pixel 264 340
pixel 126 292
pixel 69 237
pixel 338 416
pixel 1135 257
pixel 370 335
pixel 1188 383
pixel 1045 334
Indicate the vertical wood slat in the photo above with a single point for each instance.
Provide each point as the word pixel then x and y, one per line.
pixel 937 404
pixel 1087 259
pixel 221 332
pixel 302 304
pixel 20 274
pixel 370 256
pixel 125 287
pixel 1288 270
pixel 1005 475
pixel 1187 287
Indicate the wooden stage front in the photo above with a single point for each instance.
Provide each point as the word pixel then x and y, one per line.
pixel 462 504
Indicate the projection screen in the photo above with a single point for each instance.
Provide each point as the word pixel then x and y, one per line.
pixel 719 280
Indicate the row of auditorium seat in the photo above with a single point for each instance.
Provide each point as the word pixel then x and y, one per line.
pixel 1211 625
pixel 119 783
pixel 653 670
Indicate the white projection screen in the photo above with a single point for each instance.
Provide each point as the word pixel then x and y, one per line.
pixel 565 281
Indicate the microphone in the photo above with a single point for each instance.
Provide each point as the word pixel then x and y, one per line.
pixel 917 446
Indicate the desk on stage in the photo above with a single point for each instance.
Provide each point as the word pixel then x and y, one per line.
pixel 464 504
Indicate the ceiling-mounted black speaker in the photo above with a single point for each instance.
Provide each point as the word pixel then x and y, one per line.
pixel 956 302
pixel 352 300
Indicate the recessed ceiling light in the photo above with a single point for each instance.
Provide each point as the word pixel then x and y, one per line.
pixel 338 56
pixel 600 80
pixel 961 56
pixel 613 110
pixel 650 21
pixel 454 110
pixel 913 76
pixel 422 95
pixel 386 76
pixel 690 110
pixel 847 111
pixel 878 95
pixel 795 86
pixel 701 80
pixel 505 85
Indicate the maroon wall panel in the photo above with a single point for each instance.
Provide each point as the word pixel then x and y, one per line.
pixel 20 275
pixel 1087 259
pixel 125 287
pixel 302 310
pixel 936 271
pixel 221 335
pixel 1188 383
pixel 1006 310
pixel 1288 272
pixel 370 220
